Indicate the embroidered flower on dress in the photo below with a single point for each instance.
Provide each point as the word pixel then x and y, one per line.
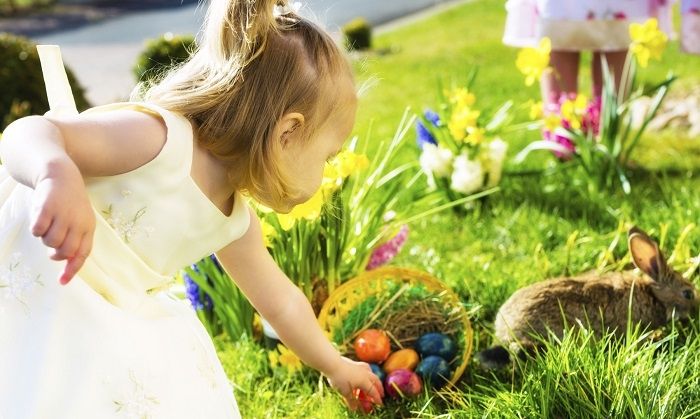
pixel 138 403
pixel 16 279
pixel 127 228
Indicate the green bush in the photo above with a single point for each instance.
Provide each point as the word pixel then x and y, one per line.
pixel 160 54
pixel 23 92
pixel 358 34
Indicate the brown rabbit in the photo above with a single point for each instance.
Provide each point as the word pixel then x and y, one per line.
pixel 600 302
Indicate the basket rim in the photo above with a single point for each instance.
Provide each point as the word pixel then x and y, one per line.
pixel 405 275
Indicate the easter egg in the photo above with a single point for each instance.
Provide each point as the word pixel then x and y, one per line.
pixel 402 383
pixel 434 371
pixel 372 345
pixel 406 359
pixel 366 404
pixel 378 371
pixel 436 344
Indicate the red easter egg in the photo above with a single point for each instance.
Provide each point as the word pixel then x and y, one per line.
pixel 366 404
pixel 372 345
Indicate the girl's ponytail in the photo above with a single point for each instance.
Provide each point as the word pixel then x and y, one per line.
pixel 236 31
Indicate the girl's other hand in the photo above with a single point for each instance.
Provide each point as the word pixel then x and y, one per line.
pixel 63 217
pixel 349 375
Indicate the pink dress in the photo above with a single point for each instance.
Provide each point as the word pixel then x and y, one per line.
pixel 575 25
pixel 690 31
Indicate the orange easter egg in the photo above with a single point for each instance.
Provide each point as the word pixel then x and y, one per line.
pixel 406 359
pixel 372 345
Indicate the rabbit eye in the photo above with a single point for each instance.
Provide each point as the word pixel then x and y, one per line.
pixel 688 294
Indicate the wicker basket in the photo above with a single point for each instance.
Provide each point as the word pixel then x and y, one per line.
pixel 375 283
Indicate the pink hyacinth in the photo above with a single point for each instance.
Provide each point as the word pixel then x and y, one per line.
pixel 385 252
pixel 591 119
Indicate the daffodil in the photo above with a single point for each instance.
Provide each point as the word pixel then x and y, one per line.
pixel 532 62
pixel 475 135
pixel 647 41
pixel 551 122
pixel 536 110
pixel 461 97
pixel 309 210
pixel 462 118
pixel 286 359
pixel 573 110
pixel 268 232
pixel 347 163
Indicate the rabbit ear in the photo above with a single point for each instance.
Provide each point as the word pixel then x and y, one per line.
pixel 646 254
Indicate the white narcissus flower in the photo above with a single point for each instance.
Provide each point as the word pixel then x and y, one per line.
pixel 496 155
pixel 468 175
pixel 436 160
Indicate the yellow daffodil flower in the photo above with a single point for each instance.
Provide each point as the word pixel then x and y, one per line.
pixel 288 359
pixel 309 210
pixel 461 97
pixel 347 163
pixel 536 110
pixel 532 62
pixel 475 136
pixel 462 119
pixel 268 232
pixel 647 41
pixel 551 122
pixel 573 110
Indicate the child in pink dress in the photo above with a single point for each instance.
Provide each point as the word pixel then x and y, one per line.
pixel 601 26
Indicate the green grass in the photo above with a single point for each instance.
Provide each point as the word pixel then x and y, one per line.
pixel 514 238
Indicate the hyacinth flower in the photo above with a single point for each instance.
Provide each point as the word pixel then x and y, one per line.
pixel 423 135
pixel 199 299
pixel 384 253
pixel 600 135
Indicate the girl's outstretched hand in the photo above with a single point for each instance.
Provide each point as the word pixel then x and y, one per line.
pixel 63 217
pixel 349 375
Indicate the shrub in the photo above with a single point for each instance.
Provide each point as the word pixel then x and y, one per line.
pixel 160 54
pixel 23 92
pixel 358 34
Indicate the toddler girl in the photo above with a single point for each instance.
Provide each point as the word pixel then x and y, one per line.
pixel 125 195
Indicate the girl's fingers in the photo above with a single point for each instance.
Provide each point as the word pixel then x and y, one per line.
pixel 41 224
pixel 69 247
pixel 373 392
pixel 76 262
pixel 56 235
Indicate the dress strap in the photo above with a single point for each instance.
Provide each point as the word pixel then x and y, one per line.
pixel 58 89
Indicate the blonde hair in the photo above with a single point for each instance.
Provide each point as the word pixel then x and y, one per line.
pixel 251 67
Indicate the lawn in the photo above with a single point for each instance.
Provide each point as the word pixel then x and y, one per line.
pixel 535 227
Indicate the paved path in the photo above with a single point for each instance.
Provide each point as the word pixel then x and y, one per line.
pixel 103 54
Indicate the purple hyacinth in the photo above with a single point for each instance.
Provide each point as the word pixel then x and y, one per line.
pixel 387 251
pixel 199 299
pixel 432 117
pixel 423 135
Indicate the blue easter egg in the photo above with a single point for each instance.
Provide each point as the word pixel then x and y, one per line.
pixel 378 371
pixel 434 371
pixel 436 344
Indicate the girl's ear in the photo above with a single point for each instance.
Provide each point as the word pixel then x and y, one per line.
pixel 646 254
pixel 288 128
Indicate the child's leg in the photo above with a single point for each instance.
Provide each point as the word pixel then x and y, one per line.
pixel 616 63
pixel 564 75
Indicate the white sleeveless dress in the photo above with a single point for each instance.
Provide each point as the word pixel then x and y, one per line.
pixel 576 25
pixel 110 344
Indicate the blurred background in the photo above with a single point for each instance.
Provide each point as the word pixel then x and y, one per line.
pixel 101 40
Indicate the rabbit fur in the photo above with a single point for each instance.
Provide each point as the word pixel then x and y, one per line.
pixel 600 302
